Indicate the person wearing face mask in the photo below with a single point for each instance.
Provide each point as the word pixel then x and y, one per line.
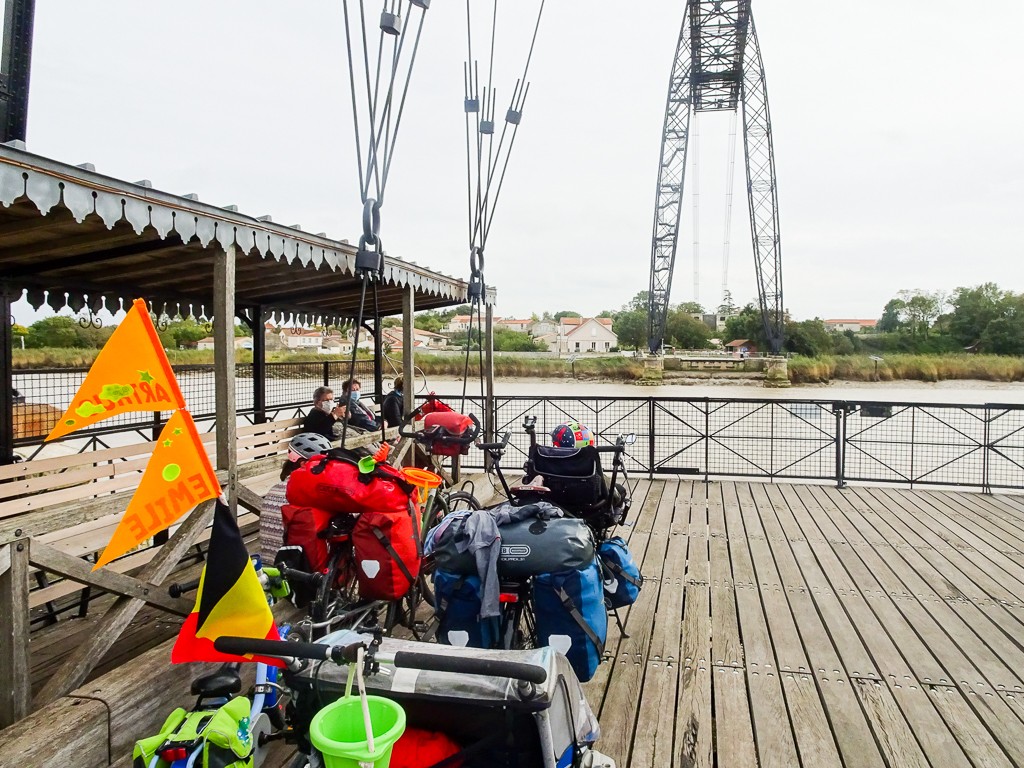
pixel 393 406
pixel 359 415
pixel 324 414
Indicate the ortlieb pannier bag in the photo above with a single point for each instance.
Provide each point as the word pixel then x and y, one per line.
pixel 571 616
pixel 302 528
pixel 447 424
pixel 528 547
pixel 457 607
pixel 335 484
pixel 622 579
pixel 387 554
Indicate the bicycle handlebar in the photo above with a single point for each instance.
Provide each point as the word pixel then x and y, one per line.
pixel 340 654
pixel 500 446
pixel 431 662
pixel 243 646
pixel 177 590
pixel 301 577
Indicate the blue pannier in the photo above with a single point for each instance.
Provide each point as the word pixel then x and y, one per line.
pixel 457 607
pixel 622 579
pixel 571 615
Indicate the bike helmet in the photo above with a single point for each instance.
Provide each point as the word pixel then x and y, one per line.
pixel 309 444
pixel 572 434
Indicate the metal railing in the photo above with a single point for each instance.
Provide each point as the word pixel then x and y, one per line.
pixel 905 443
pixel 289 388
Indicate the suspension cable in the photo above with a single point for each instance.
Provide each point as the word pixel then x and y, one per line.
pixel 485 180
pixel 374 82
pixel 730 178
pixel 695 185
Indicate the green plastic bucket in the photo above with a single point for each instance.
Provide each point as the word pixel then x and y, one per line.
pixel 338 732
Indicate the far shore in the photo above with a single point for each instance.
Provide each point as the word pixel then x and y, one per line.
pixel 970 370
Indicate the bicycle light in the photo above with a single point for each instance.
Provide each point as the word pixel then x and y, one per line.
pixel 171 754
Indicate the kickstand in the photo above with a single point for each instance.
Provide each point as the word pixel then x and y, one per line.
pixel 618 620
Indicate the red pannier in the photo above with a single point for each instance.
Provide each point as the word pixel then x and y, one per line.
pixel 335 485
pixel 387 554
pixel 302 526
pixel 447 424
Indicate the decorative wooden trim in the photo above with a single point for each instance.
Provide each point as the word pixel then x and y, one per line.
pixel 55 561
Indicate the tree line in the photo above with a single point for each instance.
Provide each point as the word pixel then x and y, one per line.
pixel 61 331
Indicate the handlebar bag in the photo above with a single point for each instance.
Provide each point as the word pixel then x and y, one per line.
pixel 622 579
pixel 335 485
pixel 302 526
pixel 447 424
pixel 573 476
pixel 571 616
pixel 387 553
pixel 528 547
pixel 457 604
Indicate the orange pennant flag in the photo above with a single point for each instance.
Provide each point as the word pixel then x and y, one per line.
pixel 177 478
pixel 131 373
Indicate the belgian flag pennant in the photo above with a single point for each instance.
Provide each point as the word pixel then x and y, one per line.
pixel 230 599
pixel 131 373
pixel 177 478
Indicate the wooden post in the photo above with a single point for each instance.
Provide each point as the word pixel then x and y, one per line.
pixel 378 362
pixel 408 355
pixel 7 377
pixel 259 365
pixel 489 412
pixel 408 359
pixel 224 366
pixel 15 686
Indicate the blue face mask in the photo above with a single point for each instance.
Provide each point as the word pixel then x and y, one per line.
pixel 398 392
pixel 354 396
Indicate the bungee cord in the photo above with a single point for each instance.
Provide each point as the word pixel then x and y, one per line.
pixel 486 166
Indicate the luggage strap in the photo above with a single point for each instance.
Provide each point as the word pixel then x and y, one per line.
pixel 386 543
pixel 441 605
pixel 572 610
pixel 617 569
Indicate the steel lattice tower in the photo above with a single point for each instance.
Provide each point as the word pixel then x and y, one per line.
pixel 15 65
pixel 718 67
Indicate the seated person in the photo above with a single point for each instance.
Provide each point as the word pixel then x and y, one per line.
pixel 394 404
pixel 324 414
pixel 359 415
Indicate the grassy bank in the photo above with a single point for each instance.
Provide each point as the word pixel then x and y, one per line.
pixel 806 370
pixel 55 357
pixel 614 368
pixel 802 370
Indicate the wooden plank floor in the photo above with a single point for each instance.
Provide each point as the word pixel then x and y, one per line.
pixel 798 625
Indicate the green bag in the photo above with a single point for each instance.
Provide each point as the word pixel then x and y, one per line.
pixel 223 733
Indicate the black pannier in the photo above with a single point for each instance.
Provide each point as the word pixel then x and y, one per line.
pixel 528 547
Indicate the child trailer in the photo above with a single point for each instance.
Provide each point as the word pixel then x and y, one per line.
pixel 498 721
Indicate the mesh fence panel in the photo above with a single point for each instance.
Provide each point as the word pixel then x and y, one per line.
pixel 977 446
pixel 907 443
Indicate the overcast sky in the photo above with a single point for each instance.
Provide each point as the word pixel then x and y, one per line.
pixel 897 129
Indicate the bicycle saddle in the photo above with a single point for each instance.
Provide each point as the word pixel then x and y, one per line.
pixel 536 485
pixel 221 683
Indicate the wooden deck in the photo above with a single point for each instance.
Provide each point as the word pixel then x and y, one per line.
pixel 786 625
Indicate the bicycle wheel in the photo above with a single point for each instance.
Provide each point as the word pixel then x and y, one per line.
pixel 447 503
pixel 323 604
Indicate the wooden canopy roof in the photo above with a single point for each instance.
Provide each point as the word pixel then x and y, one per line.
pixel 69 235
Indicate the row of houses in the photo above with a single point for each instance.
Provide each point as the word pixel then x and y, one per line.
pixel 566 336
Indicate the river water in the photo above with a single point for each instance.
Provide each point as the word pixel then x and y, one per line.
pixel 768 435
pixel 958 392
